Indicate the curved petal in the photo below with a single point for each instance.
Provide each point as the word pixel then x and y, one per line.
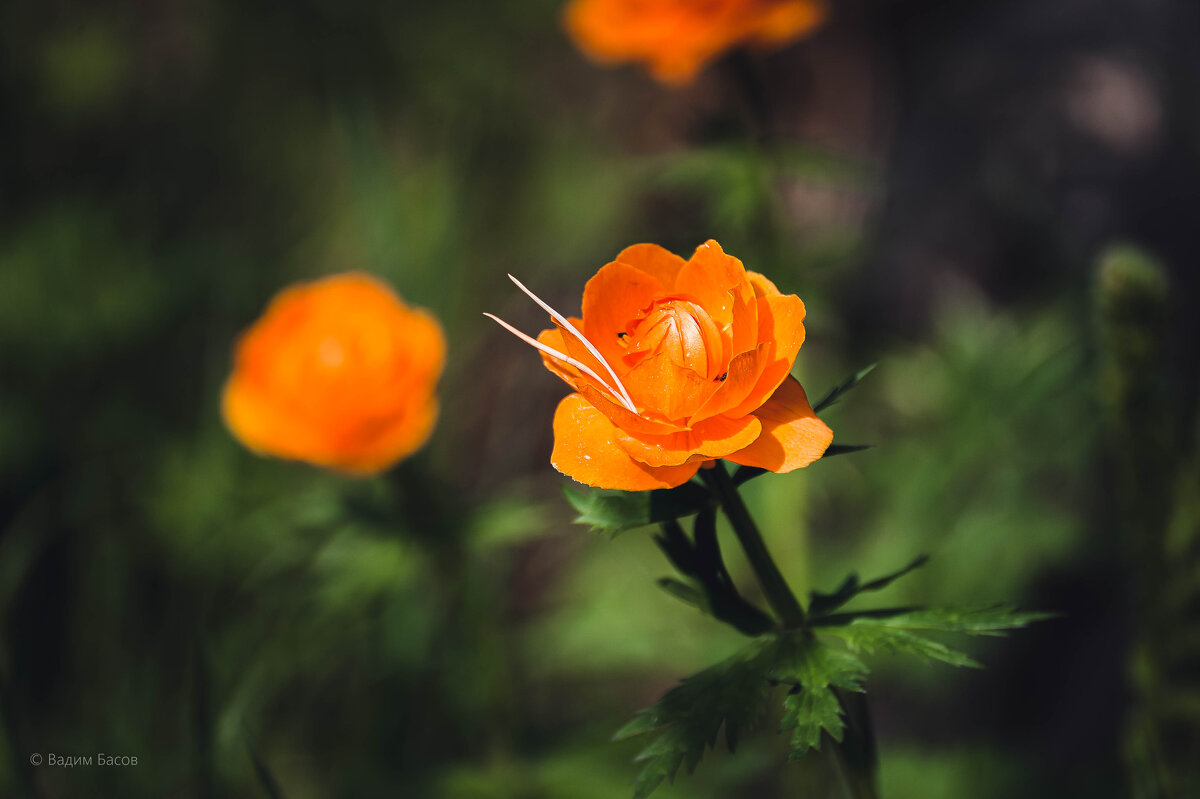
pixel 763 287
pixel 266 426
pixel 614 296
pixel 647 422
pixel 658 262
pixel 792 435
pixel 557 339
pixel 400 438
pixel 739 379
pixel 670 389
pixel 719 283
pixel 712 438
pixel 585 450
pixel 780 322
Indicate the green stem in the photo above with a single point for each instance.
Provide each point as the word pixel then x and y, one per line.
pixel 779 595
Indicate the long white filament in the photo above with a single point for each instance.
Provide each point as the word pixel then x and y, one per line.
pixel 619 393
pixel 562 320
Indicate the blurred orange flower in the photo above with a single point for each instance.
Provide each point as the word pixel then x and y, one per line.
pixel 675 38
pixel 338 372
pixel 676 363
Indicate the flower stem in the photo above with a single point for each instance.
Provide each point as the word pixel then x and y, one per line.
pixel 779 595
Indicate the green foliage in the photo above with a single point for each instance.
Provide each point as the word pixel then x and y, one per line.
pixel 892 631
pixel 617 511
pixel 814 670
pixel 687 719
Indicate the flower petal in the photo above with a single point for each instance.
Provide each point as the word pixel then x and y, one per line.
pixel 585 449
pixel 740 378
pixel 647 422
pixel 719 284
pixel 401 436
pixel 712 438
pixel 781 323
pixel 614 296
pixel 670 389
pixel 792 435
pixel 658 262
pixel 763 287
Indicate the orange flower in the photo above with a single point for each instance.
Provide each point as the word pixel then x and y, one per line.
pixel 676 363
pixel 675 38
pixel 338 372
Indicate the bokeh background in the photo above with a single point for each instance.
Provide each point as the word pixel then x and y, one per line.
pixel 942 182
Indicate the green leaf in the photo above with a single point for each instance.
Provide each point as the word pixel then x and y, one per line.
pixel 616 511
pixel 836 393
pixel 687 719
pixel 870 636
pixel 815 670
pixel 892 630
pixel 821 604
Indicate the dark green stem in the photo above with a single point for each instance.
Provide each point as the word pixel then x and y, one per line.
pixel 778 594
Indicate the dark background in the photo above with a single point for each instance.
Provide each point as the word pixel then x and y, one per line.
pixel 939 181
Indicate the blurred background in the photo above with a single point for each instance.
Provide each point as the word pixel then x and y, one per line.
pixel 998 201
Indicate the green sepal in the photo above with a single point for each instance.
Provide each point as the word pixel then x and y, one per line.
pixel 616 511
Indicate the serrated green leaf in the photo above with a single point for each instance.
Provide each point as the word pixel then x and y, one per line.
pixel 836 392
pixel 972 620
pixel 814 669
pixel 892 630
pixel 616 511
pixel 687 719
pixel 807 714
pixel 870 636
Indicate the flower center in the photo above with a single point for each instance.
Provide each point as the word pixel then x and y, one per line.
pixel 677 328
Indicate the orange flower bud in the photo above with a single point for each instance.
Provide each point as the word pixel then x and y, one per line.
pixel 675 38
pixel 676 363
pixel 338 372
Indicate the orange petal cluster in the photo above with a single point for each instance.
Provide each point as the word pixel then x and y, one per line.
pixel 338 372
pixel 703 348
pixel 675 38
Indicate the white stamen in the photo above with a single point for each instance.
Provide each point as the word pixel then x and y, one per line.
pixel 562 320
pixel 553 353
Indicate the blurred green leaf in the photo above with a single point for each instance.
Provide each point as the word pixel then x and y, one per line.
pixel 836 392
